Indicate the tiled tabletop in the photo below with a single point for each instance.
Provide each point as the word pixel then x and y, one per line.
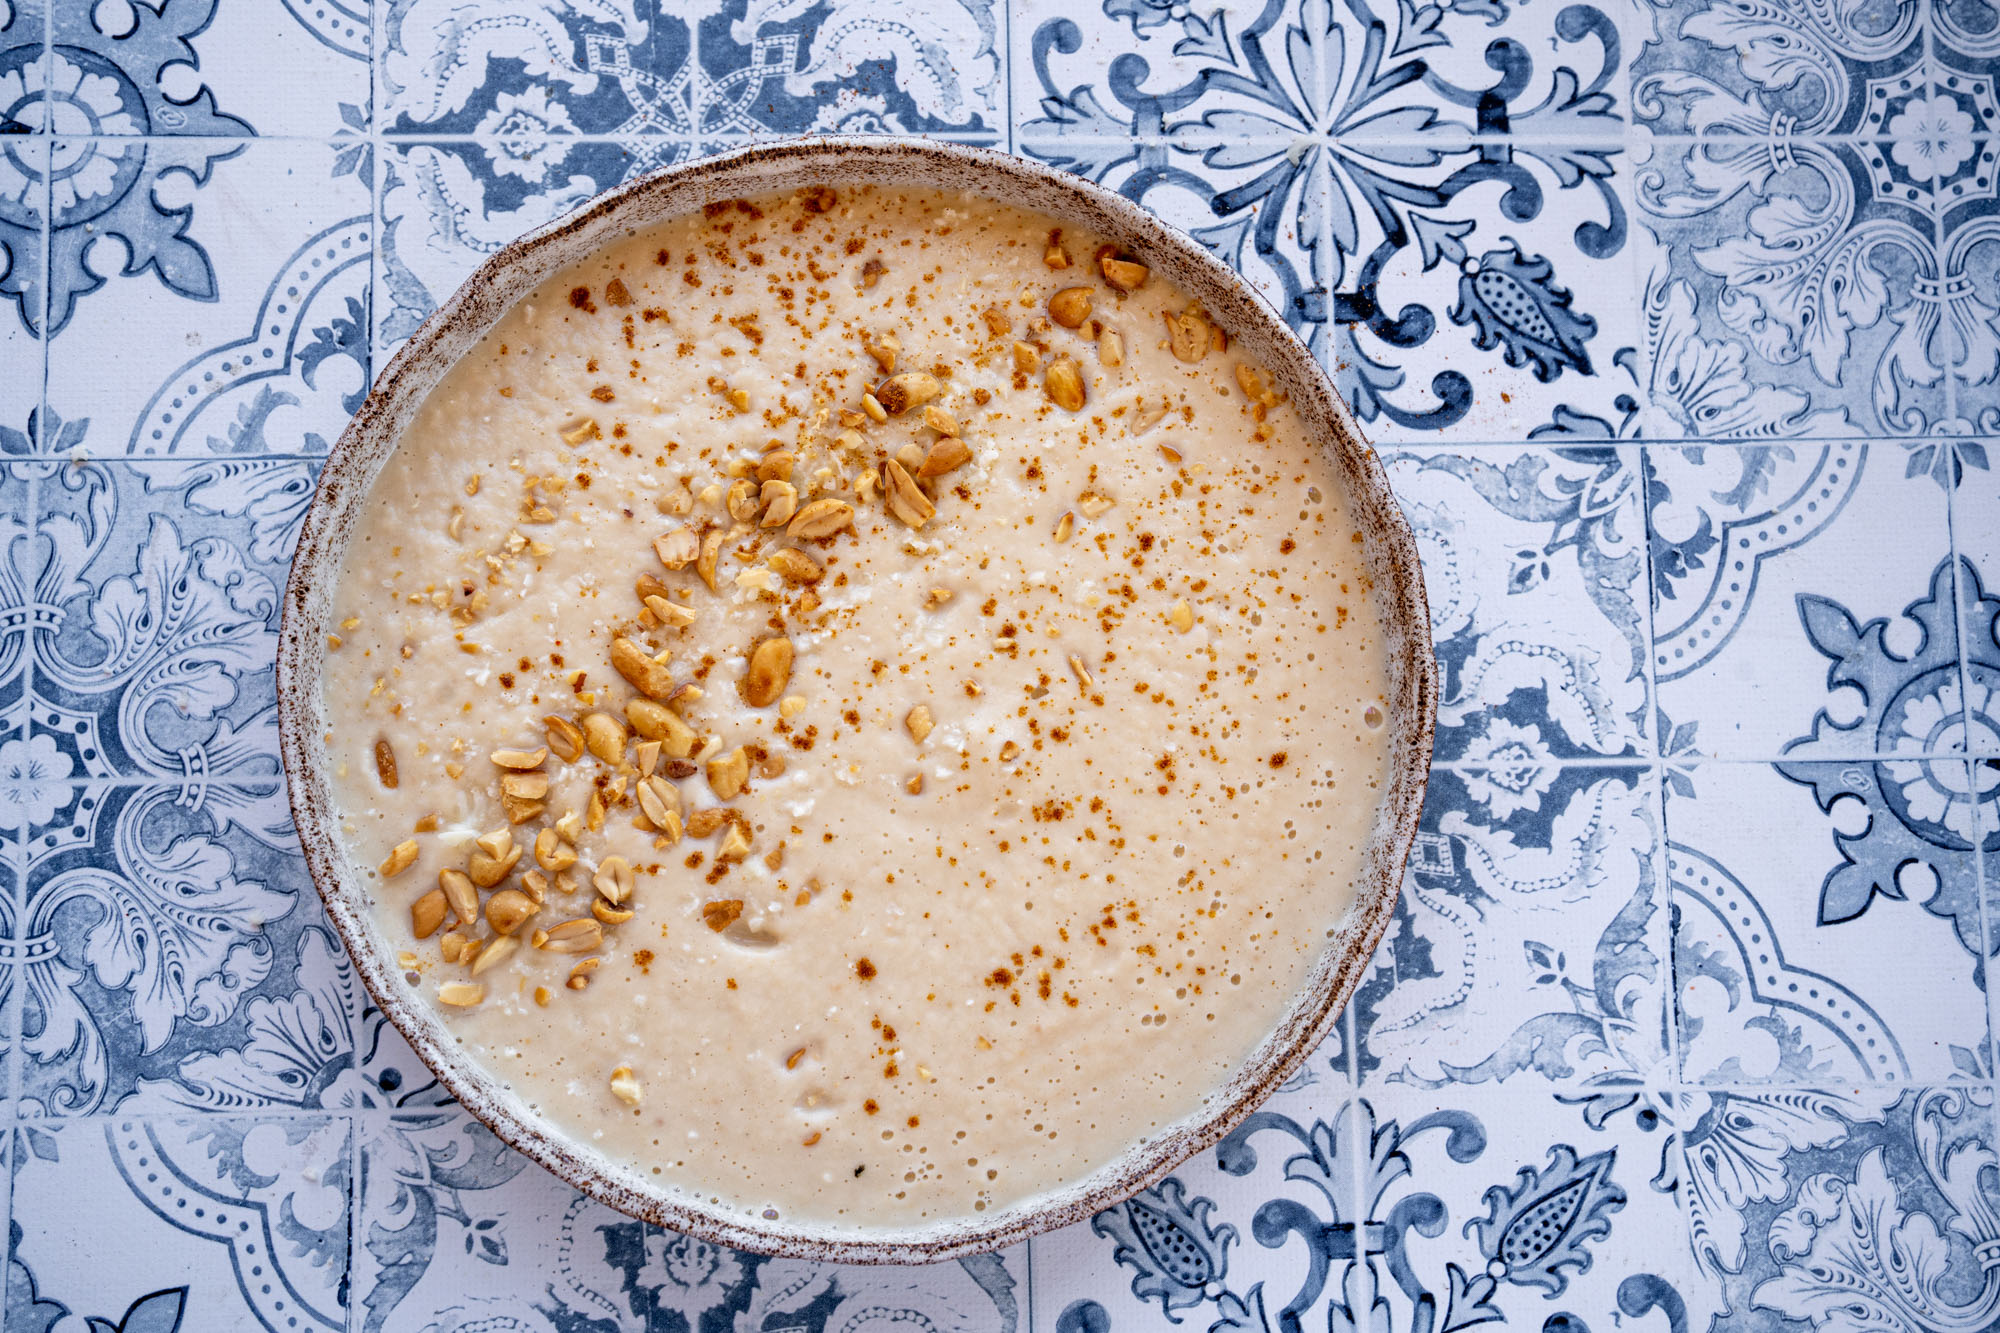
pixel 1678 327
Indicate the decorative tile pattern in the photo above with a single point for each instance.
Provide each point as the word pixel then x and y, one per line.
pixel 1678 324
pixel 1800 893
pixel 459 1232
pixel 1782 622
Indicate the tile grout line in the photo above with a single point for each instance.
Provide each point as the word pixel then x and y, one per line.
pixel 1959 587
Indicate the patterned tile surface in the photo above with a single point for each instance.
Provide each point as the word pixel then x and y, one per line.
pixel 1678 323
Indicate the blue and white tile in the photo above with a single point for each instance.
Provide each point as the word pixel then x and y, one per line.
pixel 1737 67
pixel 1827 924
pixel 1243 1225
pixel 550 69
pixel 24 27
pixel 854 67
pixel 24 165
pixel 1802 279
pixel 1530 941
pixel 1802 601
pixel 159 601
pixel 447 206
pixel 175 957
pixel 1534 562
pixel 165 1225
pixel 1352 190
pixel 1845 1207
pixel 1976 534
pixel 1533 1209
pixel 247 265
pixel 456 1231
pixel 221 68
pixel 1970 298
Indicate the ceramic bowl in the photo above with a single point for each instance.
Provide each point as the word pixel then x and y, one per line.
pixel 458 325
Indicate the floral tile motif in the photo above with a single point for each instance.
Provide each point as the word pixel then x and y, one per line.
pixel 1532 1209
pixel 527 72
pixel 1820 307
pixel 1920 73
pixel 1803 895
pixel 1848 1208
pixel 457 1232
pixel 175 956
pixel 269 352
pixel 24 164
pixel 1343 171
pixel 1534 563
pixel 1388 1211
pixel 1782 621
pixel 223 1223
pixel 1972 259
pixel 1530 941
pixel 447 206
pixel 207 67
pixel 156 590
pixel 1220 1233
pixel 853 67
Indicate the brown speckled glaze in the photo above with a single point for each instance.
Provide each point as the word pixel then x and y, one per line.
pixel 459 324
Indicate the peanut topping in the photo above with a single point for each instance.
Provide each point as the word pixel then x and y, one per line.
pixel 385 763
pixel 564 738
pixel 605 737
pixel 461 994
pixel 885 350
pixel 660 801
pixel 508 909
pixel 913 388
pixel 768 672
pixel 580 935
pixel 677 549
pixel 727 773
pixel 1110 348
pixel 780 501
pixel 670 614
pixel 795 567
pixel 495 953
pixel 1188 333
pixel 721 914
pixel 401 857
pixel 615 879
pixel 625 1086
pixel 427 913
pixel 456 888
pixel 711 553
pixel 1123 274
pixel 821 518
pixel 909 504
pixel 1065 384
pixel 519 759
pixel 552 853
pixel 1070 306
pixel 657 722
pixel 645 675
pixel 918 722
pixel 1181 617
pixel 947 454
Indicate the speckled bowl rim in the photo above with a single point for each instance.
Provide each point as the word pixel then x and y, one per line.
pixel 516 269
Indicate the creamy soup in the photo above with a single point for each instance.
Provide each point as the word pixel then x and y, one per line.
pixel 859 705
